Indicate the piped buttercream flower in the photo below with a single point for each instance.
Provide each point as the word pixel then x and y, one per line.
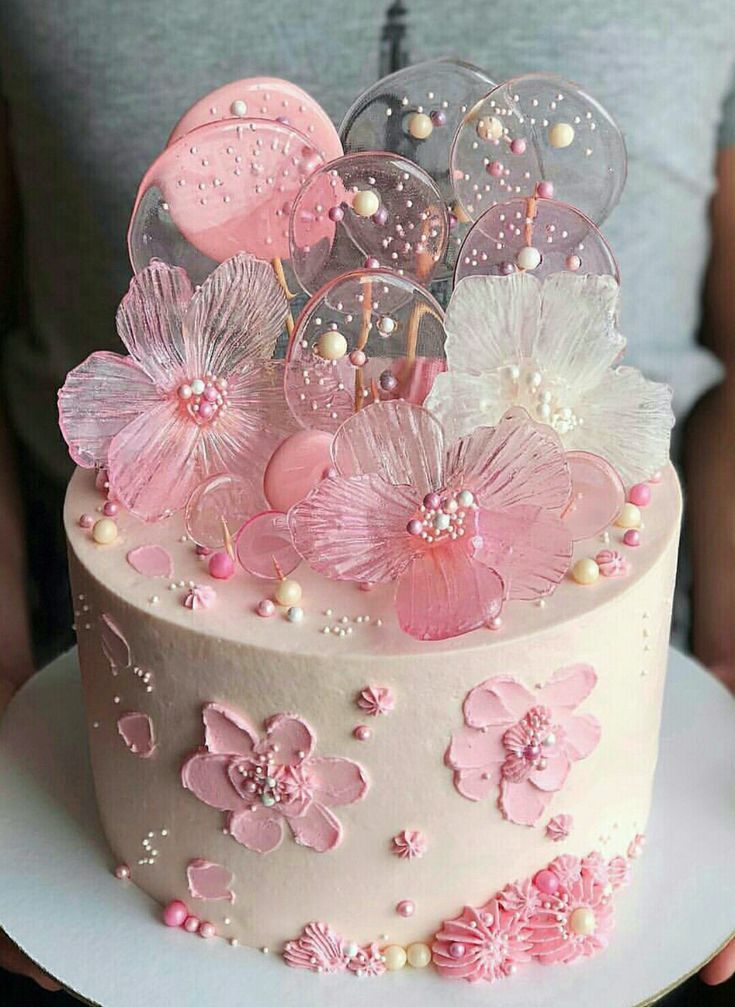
pixel 198 393
pixel 481 944
pixel 551 346
pixel 459 527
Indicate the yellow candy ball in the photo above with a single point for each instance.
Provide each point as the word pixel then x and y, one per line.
pixel 420 126
pixel 489 128
pixel 332 345
pixel 395 957
pixel 104 531
pixel 365 203
pixel 561 134
pixel 629 517
pixel 585 571
pixel 419 955
pixel 288 593
pixel 528 257
pixel 582 921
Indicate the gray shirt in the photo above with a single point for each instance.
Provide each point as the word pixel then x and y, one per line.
pixel 94 86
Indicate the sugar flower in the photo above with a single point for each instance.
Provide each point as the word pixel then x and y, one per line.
pixel 459 527
pixel 196 396
pixel 266 782
pixel 521 743
pixel 551 346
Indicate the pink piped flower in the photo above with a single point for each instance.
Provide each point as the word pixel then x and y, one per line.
pixel 369 961
pixel 409 844
pixel 522 743
pixel 376 700
pixel 459 528
pixel 200 596
pixel 481 944
pixel 197 395
pixel 559 827
pixel 618 872
pixel 612 563
pixel 266 782
pixel 636 847
pixel 318 948
pixel 520 897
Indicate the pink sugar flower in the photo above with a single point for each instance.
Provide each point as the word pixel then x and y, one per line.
pixel 263 782
pixel 198 394
pixel 459 527
pixel 522 743
pixel 486 943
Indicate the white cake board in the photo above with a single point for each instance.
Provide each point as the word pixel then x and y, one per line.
pixel 104 941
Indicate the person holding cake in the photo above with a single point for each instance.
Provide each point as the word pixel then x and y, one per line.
pixel 122 90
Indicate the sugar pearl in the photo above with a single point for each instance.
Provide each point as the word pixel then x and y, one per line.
pixel 221 565
pixel 640 494
pixel 365 203
pixel 191 924
pixel 582 921
pixel 386 325
pixel 547 882
pixel 494 623
pixel 104 531
pixel 573 263
pixel 388 382
pixel 332 345
pixel 110 509
pixel 197 386
pixel 585 571
pixel 489 128
pixel 362 733
pixel 632 537
pixel 358 358
pixel 207 930
pixel 295 614
pixel 528 257
pixel 420 126
pixel 629 516
pixel 561 134
pixel 456 949
pixel 239 107
pixel 418 955
pixel 265 608
pixel 122 872
pixel 336 214
pixel 381 216
pixel 395 957
pixel 545 190
pixel 351 949
pixel 406 908
pixel 518 146
pixel 288 592
pixel 86 521
pixel 175 914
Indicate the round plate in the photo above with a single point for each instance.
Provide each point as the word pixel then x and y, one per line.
pixel 564 237
pixel 225 187
pixel 392 322
pixel 330 232
pixel 538 129
pixel 264 98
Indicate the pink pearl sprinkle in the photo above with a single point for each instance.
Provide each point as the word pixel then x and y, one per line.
pixel 518 146
pixel 358 358
pixel 207 930
pixel 266 608
pixel 362 733
pixel 640 494
pixel 405 908
pixel 122 872
pixel 110 509
pixel 210 393
pixel 366 585
pixel 456 950
pixel 632 537
pixel 86 521
pixel 380 216
pixel 175 914
pixel 206 409
pixel 414 527
pixel 546 882
pixel 438 117
pixel 388 382
pixel 221 565
pixel 371 262
pixel 191 924
pixel 573 263
pixel 545 190
pixel 432 501
pixel 336 214
pixel 203 550
pixel 495 623
pixel 495 169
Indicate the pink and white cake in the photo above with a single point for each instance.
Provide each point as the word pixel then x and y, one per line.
pixel 373 635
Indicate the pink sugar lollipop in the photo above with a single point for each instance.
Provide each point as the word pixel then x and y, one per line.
pixel 538 133
pixel 223 188
pixel 297 465
pixel 264 98
pixel 598 495
pixel 221 502
pixel 370 334
pixel 264 546
pixel 564 238
pixel 367 209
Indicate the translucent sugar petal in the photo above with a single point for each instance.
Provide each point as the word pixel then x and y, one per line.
pixel 529 547
pixel 152 462
pixel 355 529
pixel 628 421
pixel 463 401
pixel 237 314
pixel 445 593
pixel 98 399
pixel 265 548
pixel 149 321
pixel 597 497
pixel 516 462
pixel 224 500
pixel 401 442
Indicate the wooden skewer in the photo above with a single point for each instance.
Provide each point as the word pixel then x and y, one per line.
pixel 281 277
pixel 362 343
pixel 229 545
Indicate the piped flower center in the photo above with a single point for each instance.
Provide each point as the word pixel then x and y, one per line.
pixel 543 399
pixel 270 784
pixel 443 517
pixel 203 398
pixel 529 743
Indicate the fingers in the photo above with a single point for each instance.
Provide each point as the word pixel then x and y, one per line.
pixel 13 960
pixel 721 967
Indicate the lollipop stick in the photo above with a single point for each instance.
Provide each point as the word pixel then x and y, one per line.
pixel 362 343
pixel 229 545
pixel 418 312
pixel 278 568
pixel 530 217
pixel 281 277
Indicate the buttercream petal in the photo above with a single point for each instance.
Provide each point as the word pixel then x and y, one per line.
pixel 355 528
pixel 336 781
pixel 529 547
pixel 568 687
pixel 464 400
pixel 498 702
pixel 516 462
pixel 477 784
pixel 445 593
pixel 628 421
pixel 207 778
pixel 475 749
pixel 397 440
pixel 152 462
pixel 553 777
pixel 226 732
pixel 582 734
pixel 258 828
pixel 317 828
pixel 149 321
pixel 237 314
pixel 101 396
pixel 522 803
pixel 290 738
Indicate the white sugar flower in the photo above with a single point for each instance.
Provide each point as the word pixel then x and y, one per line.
pixel 551 346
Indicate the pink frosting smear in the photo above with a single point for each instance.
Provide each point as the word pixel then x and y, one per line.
pixel 136 730
pixel 209 881
pixel 151 561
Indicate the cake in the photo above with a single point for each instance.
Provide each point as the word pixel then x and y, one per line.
pixel 373 632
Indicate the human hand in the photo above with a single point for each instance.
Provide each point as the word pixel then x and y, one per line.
pixel 721 968
pixel 12 959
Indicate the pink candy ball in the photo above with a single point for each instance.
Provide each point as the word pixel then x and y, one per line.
pixel 366 585
pixel 414 526
pixel 494 169
pixel 456 950
pixel 362 733
pixel 203 550
pixel 191 924
pixel 122 872
pixel 86 521
pixel 640 494
pixel 221 565
pixel 206 409
pixel 518 146
pixel 546 882
pixel 207 930
pixel 381 216
pixel 110 509
pixel 175 914
pixel 371 262
pixel 545 190
pixel 358 358
pixel 336 214
pixel 632 537
pixel 265 608
pixel 406 908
